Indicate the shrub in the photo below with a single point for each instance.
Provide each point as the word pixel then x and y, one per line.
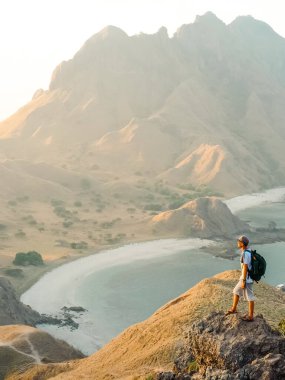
pixel 56 202
pixel 80 245
pixel 176 204
pixel 14 272
pixel 12 203
pixel 282 326
pixel 78 204
pixel 153 207
pixel 193 367
pixel 67 223
pixel 29 258
pixel 20 234
pixel 85 184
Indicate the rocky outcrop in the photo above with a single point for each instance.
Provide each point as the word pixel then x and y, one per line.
pixel 204 217
pixel 230 349
pixel 12 310
pixel 22 346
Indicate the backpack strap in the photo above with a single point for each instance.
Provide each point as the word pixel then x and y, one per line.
pixel 246 250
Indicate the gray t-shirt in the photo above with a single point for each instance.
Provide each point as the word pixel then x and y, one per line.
pixel 246 259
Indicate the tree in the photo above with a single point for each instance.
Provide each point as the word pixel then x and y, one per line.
pixel 29 258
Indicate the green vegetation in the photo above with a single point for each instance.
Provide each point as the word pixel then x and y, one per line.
pixel 193 366
pixel 62 212
pixel 153 207
pixel 12 203
pixel 150 377
pixel 20 234
pixel 282 326
pixel 79 245
pixel 109 224
pixel 114 240
pixel 29 258
pixel 30 220
pixel 67 223
pixel 17 273
pixel 56 202
pixel 2 227
pixel 78 204
pixel 85 184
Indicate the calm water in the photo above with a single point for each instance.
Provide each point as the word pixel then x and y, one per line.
pixel 273 253
pixel 122 296
pixel 260 216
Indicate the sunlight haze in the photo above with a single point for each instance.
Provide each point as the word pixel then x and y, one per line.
pixel 37 35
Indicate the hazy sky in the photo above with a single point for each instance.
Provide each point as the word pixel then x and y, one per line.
pixel 36 35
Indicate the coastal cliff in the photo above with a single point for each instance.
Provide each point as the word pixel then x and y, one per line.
pixel 21 344
pixel 151 348
pixel 12 311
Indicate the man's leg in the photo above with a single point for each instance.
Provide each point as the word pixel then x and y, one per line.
pixel 235 302
pixel 233 309
pixel 250 309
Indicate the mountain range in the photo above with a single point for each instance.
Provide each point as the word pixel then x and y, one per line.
pixel 204 107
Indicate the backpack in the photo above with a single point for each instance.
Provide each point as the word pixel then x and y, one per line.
pixel 258 265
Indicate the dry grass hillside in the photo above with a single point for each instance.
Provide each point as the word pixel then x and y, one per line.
pixel 152 345
pixel 204 217
pixel 22 346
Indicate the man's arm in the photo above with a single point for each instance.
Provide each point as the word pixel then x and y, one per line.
pixel 244 274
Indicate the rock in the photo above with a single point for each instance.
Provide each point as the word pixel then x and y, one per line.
pixel 281 287
pixel 77 309
pixel 12 310
pixel 229 348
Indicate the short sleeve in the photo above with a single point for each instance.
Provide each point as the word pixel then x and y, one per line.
pixel 247 258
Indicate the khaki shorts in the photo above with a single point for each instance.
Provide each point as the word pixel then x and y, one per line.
pixel 247 292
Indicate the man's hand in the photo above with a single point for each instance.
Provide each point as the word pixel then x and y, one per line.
pixel 243 284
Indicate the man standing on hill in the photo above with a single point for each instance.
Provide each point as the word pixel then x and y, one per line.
pixel 245 285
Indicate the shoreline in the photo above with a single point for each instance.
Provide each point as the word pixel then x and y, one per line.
pixel 243 202
pixel 74 271
pixel 224 249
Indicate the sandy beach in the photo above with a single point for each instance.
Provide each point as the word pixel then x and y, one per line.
pixel 59 281
pixel 256 199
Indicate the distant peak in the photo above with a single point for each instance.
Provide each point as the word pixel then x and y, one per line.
pixel 109 32
pixel 249 22
pixel 208 17
pixel 209 21
pixel 163 31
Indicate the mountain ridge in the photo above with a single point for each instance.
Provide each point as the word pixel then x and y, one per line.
pixel 197 85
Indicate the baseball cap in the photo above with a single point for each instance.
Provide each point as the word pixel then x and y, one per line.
pixel 243 239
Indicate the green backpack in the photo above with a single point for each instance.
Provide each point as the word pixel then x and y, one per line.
pixel 258 265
